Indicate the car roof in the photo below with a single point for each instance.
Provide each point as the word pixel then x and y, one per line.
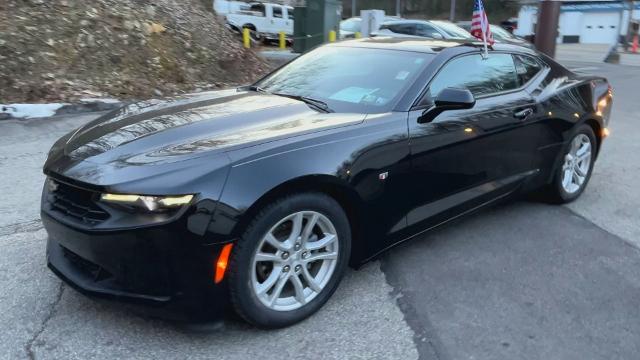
pixel 426 45
pixel 469 23
pixel 392 17
pixel 406 21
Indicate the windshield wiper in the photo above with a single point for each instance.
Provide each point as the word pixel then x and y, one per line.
pixel 318 104
pixel 253 88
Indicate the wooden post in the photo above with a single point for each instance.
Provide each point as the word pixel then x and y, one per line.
pixel 281 40
pixel 547 29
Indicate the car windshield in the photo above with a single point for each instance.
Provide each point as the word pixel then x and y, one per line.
pixel 352 25
pixel 453 30
pixel 501 33
pixel 349 79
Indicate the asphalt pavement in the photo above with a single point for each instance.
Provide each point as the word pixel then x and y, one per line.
pixel 522 280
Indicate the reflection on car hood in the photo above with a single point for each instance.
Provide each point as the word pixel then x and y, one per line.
pixel 170 130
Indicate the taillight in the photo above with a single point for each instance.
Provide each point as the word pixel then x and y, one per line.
pixel 604 103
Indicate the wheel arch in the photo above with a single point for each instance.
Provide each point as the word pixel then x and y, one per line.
pixel 329 185
pixel 596 126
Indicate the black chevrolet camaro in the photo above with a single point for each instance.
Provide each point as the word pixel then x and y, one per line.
pixel 257 199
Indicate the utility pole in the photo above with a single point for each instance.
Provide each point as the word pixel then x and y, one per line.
pixel 628 36
pixel 353 8
pixel 547 29
pixel 398 8
pixel 452 14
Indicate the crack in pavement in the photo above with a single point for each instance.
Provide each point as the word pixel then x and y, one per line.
pixel 21 227
pixel 53 308
pixel 610 232
pixel 425 336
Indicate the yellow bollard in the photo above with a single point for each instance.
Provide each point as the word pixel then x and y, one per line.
pixel 282 41
pixel 332 36
pixel 246 39
pixel 357 35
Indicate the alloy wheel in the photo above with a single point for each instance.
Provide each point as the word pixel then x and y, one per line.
pixel 577 163
pixel 295 260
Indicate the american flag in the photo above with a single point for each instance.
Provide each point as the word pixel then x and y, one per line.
pixel 480 24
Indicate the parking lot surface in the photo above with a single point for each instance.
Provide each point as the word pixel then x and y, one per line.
pixel 521 280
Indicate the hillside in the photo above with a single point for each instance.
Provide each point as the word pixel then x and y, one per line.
pixel 63 50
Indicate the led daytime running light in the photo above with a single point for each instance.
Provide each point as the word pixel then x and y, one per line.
pixel 149 202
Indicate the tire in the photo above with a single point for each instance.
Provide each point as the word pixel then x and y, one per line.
pixel 253 34
pixel 249 276
pixel 558 192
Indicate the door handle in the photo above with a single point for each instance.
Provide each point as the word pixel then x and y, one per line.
pixel 523 114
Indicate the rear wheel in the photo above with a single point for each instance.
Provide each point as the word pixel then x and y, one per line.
pixel 290 260
pixel 572 176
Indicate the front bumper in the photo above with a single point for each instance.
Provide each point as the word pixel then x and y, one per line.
pixel 165 267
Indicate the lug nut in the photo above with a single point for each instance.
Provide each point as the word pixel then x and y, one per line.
pixel 298 267
pixel 286 268
pixel 297 247
pixel 285 255
pixel 304 255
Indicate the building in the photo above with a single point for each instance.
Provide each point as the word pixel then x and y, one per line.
pixel 586 22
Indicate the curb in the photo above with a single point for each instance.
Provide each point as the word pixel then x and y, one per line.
pixel 8 111
pixel 84 107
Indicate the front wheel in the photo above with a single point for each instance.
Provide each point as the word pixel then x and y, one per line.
pixel 572 176
pixel 290 260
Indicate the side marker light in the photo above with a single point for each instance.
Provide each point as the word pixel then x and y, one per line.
pixel 223 261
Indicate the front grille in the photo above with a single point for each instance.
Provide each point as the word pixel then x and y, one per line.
pixel 89 269
pixel 76 204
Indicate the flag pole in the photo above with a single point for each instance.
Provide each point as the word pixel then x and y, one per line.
pixel 483 26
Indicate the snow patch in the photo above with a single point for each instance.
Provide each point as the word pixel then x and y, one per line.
pixel 100 100
pixel 28 111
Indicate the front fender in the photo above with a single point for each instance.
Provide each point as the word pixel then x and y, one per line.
pixel 250 181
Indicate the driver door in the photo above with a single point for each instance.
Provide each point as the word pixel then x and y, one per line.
pixel 464 158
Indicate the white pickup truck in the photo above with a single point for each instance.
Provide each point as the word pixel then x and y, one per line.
pixel 265 20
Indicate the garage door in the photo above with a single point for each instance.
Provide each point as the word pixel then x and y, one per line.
pixel 599 28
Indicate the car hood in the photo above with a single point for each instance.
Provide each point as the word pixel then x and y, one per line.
pixel 169 130
pixel 151 145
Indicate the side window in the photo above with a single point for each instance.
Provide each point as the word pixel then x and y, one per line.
pixel 407 29
pixel 258 9
pixel 481 76
pixel 426 30
pixel 277 12
pixel 526 68
pixel 290 13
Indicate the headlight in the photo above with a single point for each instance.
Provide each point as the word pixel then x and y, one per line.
pixel 150 203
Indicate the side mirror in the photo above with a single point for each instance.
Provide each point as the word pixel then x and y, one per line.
pixel 448 99
pixel 437 36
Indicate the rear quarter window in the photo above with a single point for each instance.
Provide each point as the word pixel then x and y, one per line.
pixel 527 68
